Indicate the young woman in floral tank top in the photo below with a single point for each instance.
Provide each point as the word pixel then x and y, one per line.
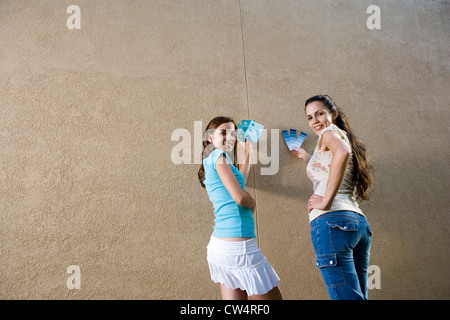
pixel 342 174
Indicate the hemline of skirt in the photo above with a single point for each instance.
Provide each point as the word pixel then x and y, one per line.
pixel 256 280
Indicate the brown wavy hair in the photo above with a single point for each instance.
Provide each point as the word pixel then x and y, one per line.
pixel 362 166
pixel 208 147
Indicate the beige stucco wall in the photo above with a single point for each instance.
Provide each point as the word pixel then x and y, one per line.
pixel 86 118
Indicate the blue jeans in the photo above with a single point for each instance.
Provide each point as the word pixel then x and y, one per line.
pixel 341 241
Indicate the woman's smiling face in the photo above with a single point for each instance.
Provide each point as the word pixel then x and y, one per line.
pixel 318 116
pixel 224 137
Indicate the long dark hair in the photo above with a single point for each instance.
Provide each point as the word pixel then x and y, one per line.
pixel 213 124
pixel 362 166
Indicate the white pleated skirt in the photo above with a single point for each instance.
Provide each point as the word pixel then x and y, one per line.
pixel 240 264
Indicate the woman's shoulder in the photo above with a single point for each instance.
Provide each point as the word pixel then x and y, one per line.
pixel 334 128
pixel 213 157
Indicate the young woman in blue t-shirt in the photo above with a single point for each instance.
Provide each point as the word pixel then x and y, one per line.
pixel 234 258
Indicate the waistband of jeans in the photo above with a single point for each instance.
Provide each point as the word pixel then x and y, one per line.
pixel 341 213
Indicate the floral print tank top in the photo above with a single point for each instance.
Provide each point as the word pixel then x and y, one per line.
pixel 318 170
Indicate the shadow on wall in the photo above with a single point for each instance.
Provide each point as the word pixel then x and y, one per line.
pixel 287 174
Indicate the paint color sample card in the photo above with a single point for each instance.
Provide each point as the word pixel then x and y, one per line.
pixel 292 136
pixel 287 139
pixel 250 129
pixel 301 137
pixel 291 139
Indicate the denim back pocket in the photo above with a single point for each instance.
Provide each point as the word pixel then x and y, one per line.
pixel 326 260
pixel 332 274
pixel 343 234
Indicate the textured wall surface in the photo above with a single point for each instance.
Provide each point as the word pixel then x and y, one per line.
pixel 86 118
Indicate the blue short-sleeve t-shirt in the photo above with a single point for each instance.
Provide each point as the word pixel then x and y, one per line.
pixel 231 220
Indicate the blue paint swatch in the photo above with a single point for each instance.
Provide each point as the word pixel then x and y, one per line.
pixel 249 129
pixel 291 139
